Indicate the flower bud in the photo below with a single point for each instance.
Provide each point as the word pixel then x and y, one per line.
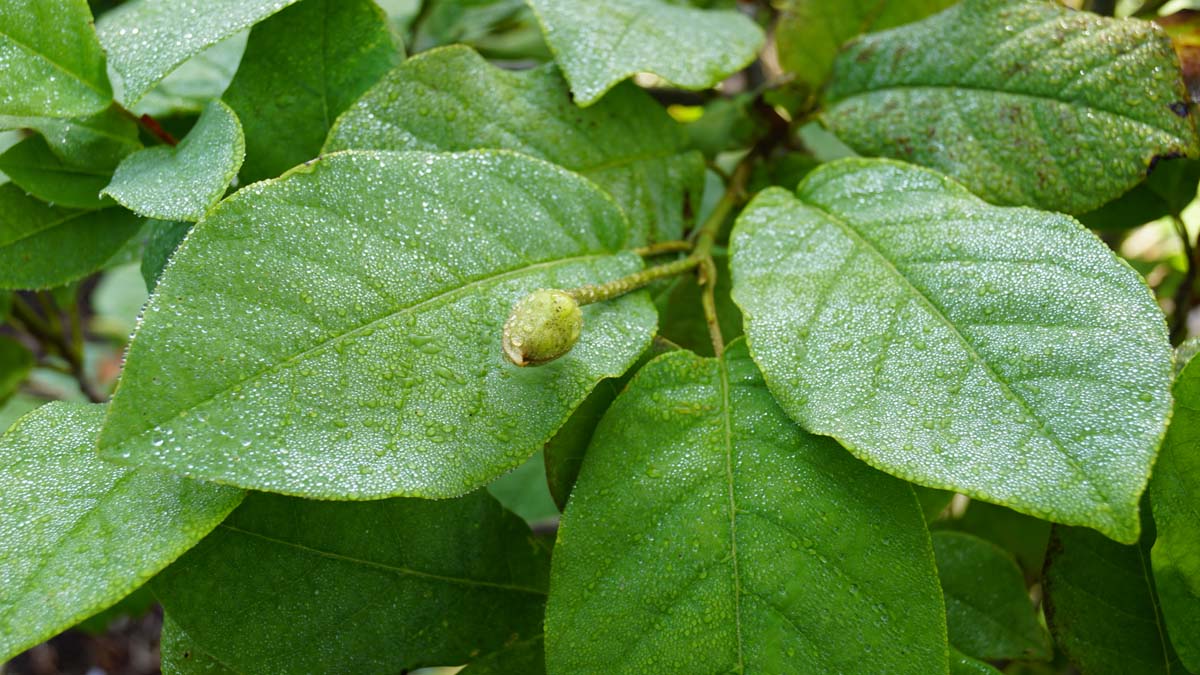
pixel 543 326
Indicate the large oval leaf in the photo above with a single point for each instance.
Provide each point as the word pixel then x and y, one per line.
pixel 336 332
pixel 1175 498
pixel 453 99
pixel 77 534
pixel 52 62
pixel 293 586
pixel 598 44
pixel 1024 101
pixel 708 533
pixel 1000 352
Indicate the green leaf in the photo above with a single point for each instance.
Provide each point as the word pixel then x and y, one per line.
pixel 932 501
pixel 97 142
pixel 681 323
pixel 147 39
pixel 33 166
pixel 1175 498
pixel 165 237
pixel 527 657
pixel 43 246
pixel 194 84
pixel 810 32
pixel 1003 353
pixel 183 182
pixel 393 584
pixel 287 98
pixel 960 664
pixel 15 363
pixel 451 99
pixel 524 491
pixel 78 534
pixel 53 64
pixel 988 613
pixel 364 360
pixel 1024 537
pixel 708 533
pixel 182 656
pixel 1024 101
pixel 599 44
pixel 1102 607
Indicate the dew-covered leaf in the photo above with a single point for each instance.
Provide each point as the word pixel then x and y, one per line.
pixel 1175 499
pixel 182 182
pixel 1024 101
pixel 287 98
pixel 97 142
pixel 599 44
pixel 356 587
pixel 15 363
pixel 1101 604
pixel 1004 353
pixel 147 39
pixel 988 613
pixel 188 89
pixel 43 246
pixel 810 32
pixel 452 99
pixel 33 166
pixel 708 533
pixel 336 332
pixel 181 655
pixel 76 533
pixel 51 64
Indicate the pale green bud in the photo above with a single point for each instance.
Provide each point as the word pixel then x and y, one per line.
pixel 542 327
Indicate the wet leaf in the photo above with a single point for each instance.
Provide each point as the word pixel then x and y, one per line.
pixel 53 65
pixel 708 533
pixel 369 291
pixel 1024 101
pixel 1004 353
pixel 78 534
pixel 97 142
pixel 33 166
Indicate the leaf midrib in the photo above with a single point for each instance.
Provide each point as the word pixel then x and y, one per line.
pixel 78 77
pixel 727 437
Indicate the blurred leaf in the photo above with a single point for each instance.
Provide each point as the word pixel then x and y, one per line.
pixel 961 664
pixel 117 301
pixel 15 363
pixel 134 605
pixel 1184 29
pixel 1023 536
pixel 526 657
pixel 36 169
pixel 52 64
pixel 97 142
pixel 193 85
pixel 524 492
pixel 182 656
pixel 933 502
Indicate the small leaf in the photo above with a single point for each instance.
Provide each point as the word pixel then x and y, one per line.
pixel 988 612
pixel 1024 101
pixel 307 87
pixel 1175 498
pixel 1024 537
pixel 598 44
pixel 147 39
pixel 961 664
pixel 1003 353
pixel 708 533
pixel 78 534
pixel 164 238
pixel 1102 607
pixel 53 65
pixel 394 584
pixel 810 32
pixel 369 290
pixel 43 246
pixel 33 166
pixel 450 99
pixel 15 363
pixel 181 183
pixel 97 142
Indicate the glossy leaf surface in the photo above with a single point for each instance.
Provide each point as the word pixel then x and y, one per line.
pixel 452 99
pixel 308 87
pixel 182 182
pixel 1175 498
pixel 395 584
pixel 76 533
pixel 147 39
pixel 1024 101
pixel 744 545
pixel 1004 353
pixel 371 289
pixel 51 63
pixel 599 44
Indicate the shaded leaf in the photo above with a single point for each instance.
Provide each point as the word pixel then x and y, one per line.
pixel 988 613
pixel 36 169
pixel 287 98
pixel 15 363
pixel 147 39
pixel 1006 354
pixel 182 656
pixel 526 657
pixel 53 65
pixel 708 533
pixel 932 501
pixel 1022 536
pixel 370 290
pixel 961 664
pixel 680 318
pixel 43 246
pixel 598 44
pixel 394 584
pixel 97 142
pixel 452 99
pixel 1175 498
pixel 183 182
pixel 1024 101
pixel 77 534
pixel 165 237
pixel 524 491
